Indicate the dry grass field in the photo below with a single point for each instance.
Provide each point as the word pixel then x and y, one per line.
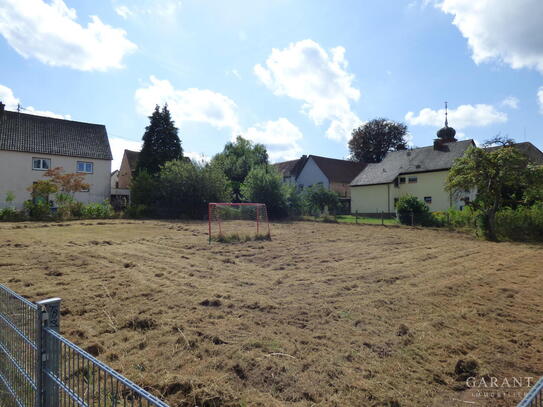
pixel 322 315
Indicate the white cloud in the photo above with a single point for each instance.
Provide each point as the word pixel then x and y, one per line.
pixel 165 9
pixel 305 71
pixel 206 106
pixel 118 145
pixel 507 31
pixel 463 116
pixel 280 137
pixel 196 105
pixel 511 101
pixel 11 102
pixel 540 99
pixel 49 32
pixel 198 157
pixel 123 11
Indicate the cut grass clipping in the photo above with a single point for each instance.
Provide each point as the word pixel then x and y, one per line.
pixel 239 238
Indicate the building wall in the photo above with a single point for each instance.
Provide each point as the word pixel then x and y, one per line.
pixel 372 199
pixel 311 174
pixel 16 175
pixel 368 199
pixel 125 175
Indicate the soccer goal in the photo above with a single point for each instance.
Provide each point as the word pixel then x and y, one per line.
pixel 238 222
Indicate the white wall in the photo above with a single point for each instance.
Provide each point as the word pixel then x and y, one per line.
pixel 16 175
pixel 311 174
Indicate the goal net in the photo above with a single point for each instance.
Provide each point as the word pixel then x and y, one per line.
pixel 238 221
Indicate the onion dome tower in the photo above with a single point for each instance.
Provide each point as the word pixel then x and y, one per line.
pixel 446 134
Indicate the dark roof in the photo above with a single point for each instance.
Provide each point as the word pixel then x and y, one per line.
pixel 338 170
pixel 533 153
pixel 291 168
pixel 44 135
pixel 411 161
pixel 132 157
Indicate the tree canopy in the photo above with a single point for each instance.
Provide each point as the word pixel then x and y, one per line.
pixel 494 174
pixel 237 160
pixel 160 142
pixel 373 140
pixel 263 184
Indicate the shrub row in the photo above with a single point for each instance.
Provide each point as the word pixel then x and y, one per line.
pixel 43 211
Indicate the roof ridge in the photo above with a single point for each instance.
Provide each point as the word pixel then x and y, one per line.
pixel 54 118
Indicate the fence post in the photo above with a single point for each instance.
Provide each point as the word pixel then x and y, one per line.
pixel 383 218
pixel 412 219
pixel 356 217
pixel 50 351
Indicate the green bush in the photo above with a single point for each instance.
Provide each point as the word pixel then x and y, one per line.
pixel 521 224
pixel 11 215
pixel 38 210
pixel 264 185
pixel 98 211
pixel 409 205
pixel 317 199
pixel 136 211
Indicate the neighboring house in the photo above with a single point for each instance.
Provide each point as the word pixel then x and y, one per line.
pixel 115 179
pixel 534 154
pixel 420 172
pixel 120 182
pixel 333 174
pixel 128 168
pixel 30 144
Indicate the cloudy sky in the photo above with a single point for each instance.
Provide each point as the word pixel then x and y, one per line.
pixel 296 75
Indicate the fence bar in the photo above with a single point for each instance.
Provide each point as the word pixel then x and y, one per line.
pixel 534 398
pixel 50 310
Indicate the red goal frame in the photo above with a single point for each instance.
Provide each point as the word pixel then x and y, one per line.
pixel 258 206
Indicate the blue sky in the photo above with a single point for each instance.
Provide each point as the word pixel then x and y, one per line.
pixel 296 75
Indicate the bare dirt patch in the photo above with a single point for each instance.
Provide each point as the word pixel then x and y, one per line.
pixel 322 315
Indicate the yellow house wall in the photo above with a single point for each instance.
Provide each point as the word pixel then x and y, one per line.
pixel 428 184
pixel 378 198
pixel 372 198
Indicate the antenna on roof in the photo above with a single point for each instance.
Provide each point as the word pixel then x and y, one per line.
pixel 446 122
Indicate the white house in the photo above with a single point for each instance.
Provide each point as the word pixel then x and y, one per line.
pixel 30 144
pixel 331 173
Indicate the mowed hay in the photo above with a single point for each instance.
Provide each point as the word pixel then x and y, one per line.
pixel 322 315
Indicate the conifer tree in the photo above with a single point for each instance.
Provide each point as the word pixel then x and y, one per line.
pixel 160 142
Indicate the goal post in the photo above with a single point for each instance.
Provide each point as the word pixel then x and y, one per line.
pixel 238 221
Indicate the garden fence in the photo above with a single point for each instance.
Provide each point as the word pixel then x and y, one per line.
pixel 534 398
pixel 41 368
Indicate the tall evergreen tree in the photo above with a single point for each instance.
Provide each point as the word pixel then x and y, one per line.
pixel 160 142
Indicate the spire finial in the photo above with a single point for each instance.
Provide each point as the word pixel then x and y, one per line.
pixel 446 122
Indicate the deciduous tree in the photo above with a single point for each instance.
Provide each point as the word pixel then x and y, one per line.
pixel 373 140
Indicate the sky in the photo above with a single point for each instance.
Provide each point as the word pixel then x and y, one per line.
pixel 295 75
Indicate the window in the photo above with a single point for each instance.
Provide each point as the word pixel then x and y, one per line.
pixel 412 180
pixel 428 199
pixel 41 164
pixel 402 180
pixel 83 166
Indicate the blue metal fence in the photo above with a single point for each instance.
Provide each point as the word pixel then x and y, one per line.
pixel 534 398
pixel 41 368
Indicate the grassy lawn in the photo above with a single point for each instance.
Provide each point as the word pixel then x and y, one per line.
pixel 372 221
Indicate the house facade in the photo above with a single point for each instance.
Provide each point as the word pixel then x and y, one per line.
pixel 421 172
pixel 30 145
